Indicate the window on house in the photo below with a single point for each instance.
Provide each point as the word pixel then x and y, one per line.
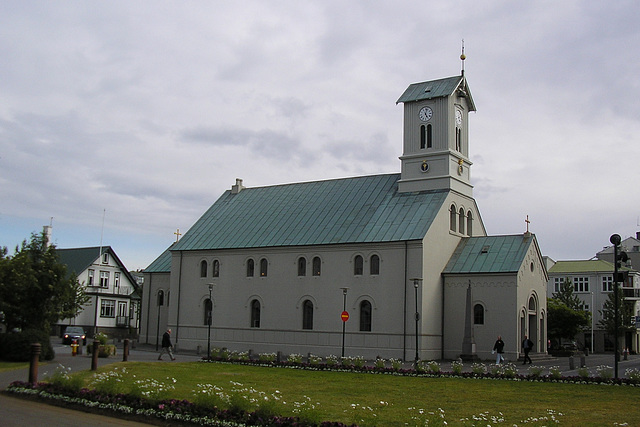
pixel 557 284
pixel 358 265
pixel 607 283
pixel 122 309
pixel 452 218
pixel 108 308
pixel 307 315
pixel 469 223
pixel 478 314
pixel 116 279
pixel 160 297
pixel 317 266
pixel 250 267
pixel 91 278
pixel 374 265
pixel 263 267
pixel 365 316
pixel 215 268
pixel 461 221
pixel 302 266
pixel 203 268
pixel 208 312
pixel 105 258
pixel 581 284
pixel 255 313
pixel 104 279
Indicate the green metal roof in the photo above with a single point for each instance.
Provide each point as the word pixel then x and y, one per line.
pixel 436 89
pixel 489 254
pixel 583 266
pixel 350 210
pixel 162 264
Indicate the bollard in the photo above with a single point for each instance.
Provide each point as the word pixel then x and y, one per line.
pixel 571 364
pixel 583 362
pixel 125 351
pixel 94 356
pixel 33 366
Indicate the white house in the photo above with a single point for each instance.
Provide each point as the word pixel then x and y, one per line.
pixel 406 255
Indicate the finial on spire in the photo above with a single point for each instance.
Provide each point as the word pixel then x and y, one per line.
pixel 462 57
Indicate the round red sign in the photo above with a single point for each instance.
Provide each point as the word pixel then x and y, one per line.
pixel 344 316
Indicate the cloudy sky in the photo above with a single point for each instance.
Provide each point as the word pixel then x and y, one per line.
pixel 140 114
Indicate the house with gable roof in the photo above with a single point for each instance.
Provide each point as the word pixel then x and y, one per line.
pixel 273 268
pixel 114 300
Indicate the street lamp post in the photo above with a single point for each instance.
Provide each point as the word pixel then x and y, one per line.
pixel 617 258
pixel 344 308
pixel 416 283
pixel 209 321
pixel 592 320
pixel 160 303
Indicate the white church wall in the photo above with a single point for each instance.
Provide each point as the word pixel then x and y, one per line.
pixel 153 321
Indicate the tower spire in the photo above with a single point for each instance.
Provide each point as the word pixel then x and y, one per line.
pixel 462 57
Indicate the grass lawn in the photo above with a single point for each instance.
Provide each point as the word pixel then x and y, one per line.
pixel 10 366
pixel 390 397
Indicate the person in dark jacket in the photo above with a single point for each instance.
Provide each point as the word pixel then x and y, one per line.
pixel 527 345
pixel 166 345
pixel 498 348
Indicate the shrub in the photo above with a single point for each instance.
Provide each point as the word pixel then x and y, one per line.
pixel 379 363
pixel 62 379
pixel 478 368
pixel 102 338
pixel 16 346
pixel 535 371
pixel 395 363
pixel 332 360
pixel 294 358
pixel 456 367
pixel 633 374
pixel 434 367
pixel 314 360
pixel 555 373
pixel 604 371
pixel 583 372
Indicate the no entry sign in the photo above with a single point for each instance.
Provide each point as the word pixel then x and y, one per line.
pixel 344 316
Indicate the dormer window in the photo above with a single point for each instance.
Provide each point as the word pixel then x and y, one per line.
pixel 485 249
pixel 105 258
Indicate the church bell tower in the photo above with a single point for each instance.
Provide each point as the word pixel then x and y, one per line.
pixel 436 136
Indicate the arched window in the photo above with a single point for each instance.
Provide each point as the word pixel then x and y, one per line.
pixel 358 265
pixel 203 268
pixel 160 297
pixel 302 266
pixel 317 266
pixel 469 223
pixel 307 315
pixel 208 312
pixel 263 267
pixel 478 314
pixel 250 267
pixel 423 136
pixel 461 221
pixel 429 139
pixel 452 218
pixel 365 316
pixel 374 265
pixel 532 304
pixel 215 268
pixel 255 313
pixel 458 138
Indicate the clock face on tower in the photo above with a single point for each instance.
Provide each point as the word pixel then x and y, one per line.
pixel 458 117
pixel 425 114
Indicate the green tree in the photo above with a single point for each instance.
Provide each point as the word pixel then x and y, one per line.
pixel 35 288
pixel 566 315
pixel 625 314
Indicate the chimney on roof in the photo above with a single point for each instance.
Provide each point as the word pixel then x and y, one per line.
pixel 638 235
pixel 235 189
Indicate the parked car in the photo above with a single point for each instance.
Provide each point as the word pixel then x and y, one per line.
pixel 74 333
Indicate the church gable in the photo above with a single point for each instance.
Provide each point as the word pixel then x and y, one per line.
pixel 489 254
pixel 351 210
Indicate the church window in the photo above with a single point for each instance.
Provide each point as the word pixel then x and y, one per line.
pixel 478 314
pixel 255 313
pixel 263 267
pixel 423 136
pixel 458 138
pixel 307 315
pixel 160 298
pixel 374 265
pixel 250 267
pixel 302 266
pixel 429 141
pixel 452 218
pixel 203 268
pixel 358 265
pixel 469 223
pixel 365 316
pixel 317 266
pixel 208 312
pixel 215 268
pixel 532 304
pixel 461 221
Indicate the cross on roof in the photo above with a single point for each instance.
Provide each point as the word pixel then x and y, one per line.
pixel 527 221
pixel 178 234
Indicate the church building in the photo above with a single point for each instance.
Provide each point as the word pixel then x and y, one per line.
pixel 395 265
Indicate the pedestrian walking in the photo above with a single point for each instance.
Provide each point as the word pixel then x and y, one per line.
pixel 498 348
pixel 167 347
pixel 527 345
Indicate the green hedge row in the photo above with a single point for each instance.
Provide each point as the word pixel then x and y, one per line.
pixel 16 346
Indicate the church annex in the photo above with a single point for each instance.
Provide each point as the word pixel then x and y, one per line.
pixel 405 254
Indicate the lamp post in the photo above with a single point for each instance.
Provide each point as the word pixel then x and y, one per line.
pixel 160 303
pixel 344 309
pixel 617 258
pixel 209 321
pixel 592 320
pixel 416 282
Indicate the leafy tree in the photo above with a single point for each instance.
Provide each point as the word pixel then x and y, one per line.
pixel 625 314
pixel 566 316
pixel 35 288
